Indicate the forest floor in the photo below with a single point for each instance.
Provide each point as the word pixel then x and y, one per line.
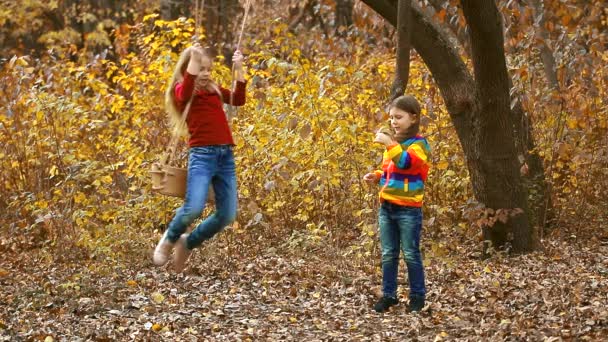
pixel 257 291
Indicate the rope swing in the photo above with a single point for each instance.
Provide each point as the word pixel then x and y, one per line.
pixel 198 19
pixel 233 108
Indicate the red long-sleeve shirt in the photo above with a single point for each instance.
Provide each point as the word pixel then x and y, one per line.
pixel 206 119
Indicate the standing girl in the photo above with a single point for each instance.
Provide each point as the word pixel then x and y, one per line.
pixel 210 156
pixel 404 170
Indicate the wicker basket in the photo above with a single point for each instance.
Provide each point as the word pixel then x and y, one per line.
pixel 171 181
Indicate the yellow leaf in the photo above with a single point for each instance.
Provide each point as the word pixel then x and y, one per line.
pixel 293 319
pixel 107 179
pixel 156 327
pixel 487 269
pixel 42 204
pixel 21 61
pixel 79 197
pixel 442 165
pixel 132 283
pixel 158 297
pixel 53 171
pixel 150 16
pixel 49 339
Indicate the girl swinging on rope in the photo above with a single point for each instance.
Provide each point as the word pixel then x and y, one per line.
pixel 210 155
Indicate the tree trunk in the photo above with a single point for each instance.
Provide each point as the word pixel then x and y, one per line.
pixel 172 9
pixel 496 178
pixel 344 16
pixel 402 71
pixel 541 205
pixel 221 21
pixel 546 54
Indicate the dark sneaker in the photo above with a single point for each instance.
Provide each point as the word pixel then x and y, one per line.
pixel 416 304
pixel 384 303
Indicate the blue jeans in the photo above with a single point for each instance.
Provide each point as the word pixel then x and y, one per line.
pixel 206 165
pixel 400 230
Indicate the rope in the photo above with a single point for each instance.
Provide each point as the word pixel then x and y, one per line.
pixel 233 108
pixel 199 7
pixel 247 6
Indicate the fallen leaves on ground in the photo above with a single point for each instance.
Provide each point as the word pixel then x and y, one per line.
pixel 230 293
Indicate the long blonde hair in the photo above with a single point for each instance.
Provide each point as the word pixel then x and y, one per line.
pixel 175 114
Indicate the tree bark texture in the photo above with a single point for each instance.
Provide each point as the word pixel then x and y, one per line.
pixel 402 69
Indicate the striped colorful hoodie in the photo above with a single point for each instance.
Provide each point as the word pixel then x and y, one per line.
pixel 405 167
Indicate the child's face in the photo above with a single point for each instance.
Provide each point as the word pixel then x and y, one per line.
pixel 400 120
pixel 204 74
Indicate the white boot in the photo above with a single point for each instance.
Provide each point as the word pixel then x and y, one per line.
pixel 182 253
pixel 162 250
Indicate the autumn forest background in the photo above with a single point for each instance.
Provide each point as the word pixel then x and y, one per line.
pixel 82 119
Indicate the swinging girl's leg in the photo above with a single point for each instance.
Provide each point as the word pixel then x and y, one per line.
pixel 224 185
pixel 201 166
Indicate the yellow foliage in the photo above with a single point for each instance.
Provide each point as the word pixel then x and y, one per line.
pixel 88 130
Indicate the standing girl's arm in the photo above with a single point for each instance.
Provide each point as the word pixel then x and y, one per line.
pixel 415 155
